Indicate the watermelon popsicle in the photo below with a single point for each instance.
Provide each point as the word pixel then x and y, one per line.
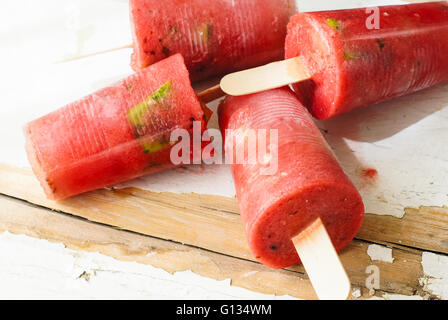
pixel 116 134
pixel 215 37
pixel 342 62
pixel 308 184
pixel 353 66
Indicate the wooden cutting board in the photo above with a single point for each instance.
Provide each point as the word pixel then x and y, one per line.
pixel 187 219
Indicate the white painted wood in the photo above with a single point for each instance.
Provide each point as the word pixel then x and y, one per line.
pixel 38 269
pixel 435 267
pixel 404 140
pixel 380 253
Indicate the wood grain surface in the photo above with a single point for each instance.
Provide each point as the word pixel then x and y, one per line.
pixel 209 226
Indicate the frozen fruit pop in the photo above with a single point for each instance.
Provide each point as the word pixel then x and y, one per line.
pixel 351 64
pixel 116 134
pixel 308 184
pixel 214 37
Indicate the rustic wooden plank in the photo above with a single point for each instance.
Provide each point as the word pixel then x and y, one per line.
pixel 425 228
pixel 199 221
pixel 158 213
pixel 78 234
pixel 171 217
pixel 16 216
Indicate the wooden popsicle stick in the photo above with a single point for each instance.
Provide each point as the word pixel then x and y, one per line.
pixel 211 94
pixel 321 262
pixel 94 54
pixel 270 76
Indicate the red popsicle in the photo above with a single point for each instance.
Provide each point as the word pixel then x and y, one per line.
pixel 213 36
pixel 116 134
pixel 352 64
pixel 308 184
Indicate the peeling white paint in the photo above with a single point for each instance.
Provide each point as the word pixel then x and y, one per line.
pixel 356 293
pixel 201 179
pixel 380 253
pixel 32 268
pixel 435 268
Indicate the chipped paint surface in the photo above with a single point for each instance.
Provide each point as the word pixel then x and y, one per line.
pixel 435 268
pixel 356 293
pixel 32 268
pixel 380 253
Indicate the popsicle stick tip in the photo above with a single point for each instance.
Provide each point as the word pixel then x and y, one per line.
pixel 321 262
pixel 80 57
pixel 211 94
pixel 271 76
